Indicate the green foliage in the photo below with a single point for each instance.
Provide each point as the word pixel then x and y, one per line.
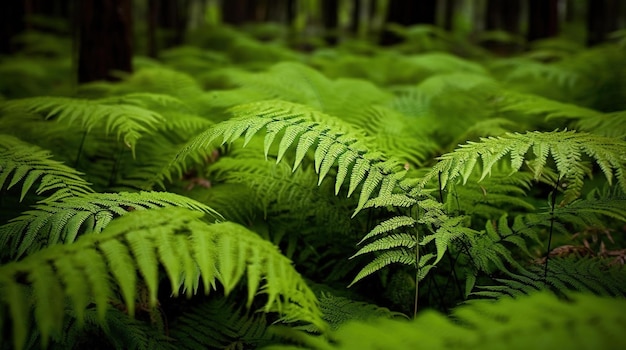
pixel 564 274
pixel 567 148
pixel 120 116
pixel 195 256
pixel 27 163
pixel 62 221
pixel 228 163
pixel 540 321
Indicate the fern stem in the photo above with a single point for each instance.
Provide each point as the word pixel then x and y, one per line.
pixel 116 166
pixel 80 149
pixel 453 275
pixel 417 264
pixel 552 218
pixel 440 189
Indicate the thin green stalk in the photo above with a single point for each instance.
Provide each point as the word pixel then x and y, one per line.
pixel 552 218
pixel 417 265
pixel 80 149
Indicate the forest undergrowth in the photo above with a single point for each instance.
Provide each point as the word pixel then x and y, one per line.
pixel 240 193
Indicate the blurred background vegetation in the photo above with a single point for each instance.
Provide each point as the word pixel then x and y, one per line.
pixel 97 39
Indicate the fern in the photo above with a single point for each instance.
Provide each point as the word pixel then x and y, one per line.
pixel 500 193
pixel 64 220
pixel 21 161
pixel 609 125
pixel 539 321
pixel 194 255
pixel 566 147
pixel 400 247
pixel 127 121
pixel 568 274
pixel 336 142
pixel 117 330
pixel 220 324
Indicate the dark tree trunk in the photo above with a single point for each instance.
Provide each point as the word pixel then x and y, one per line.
pixel 409 12
pixel 543 21
pixel 105 39
pixel 448 14
pixel 238 11
pixel 12 14
pixel 602 19
pixel 330 18
pixel 503 15
pixel 173 19
pixel 153 26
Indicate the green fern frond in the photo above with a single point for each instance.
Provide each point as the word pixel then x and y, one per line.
pixel 338 310
pixel 294 82
pixel 500 193
pixel 219 324
pixel 65 220
pixel 539 321
pixel 590 275
pixel 117 330
pixel 528 105
pixel 127 121
pixel 192 252
pixel 27 163
pixel 609 125
pixel 566 147
pixel 335 142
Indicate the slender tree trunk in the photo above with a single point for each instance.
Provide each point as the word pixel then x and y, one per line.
pixel 12 14
pixel 105 39
pixel 173 20
pixel 330 18
pixel 602 19
pixel 153 26
pixel 409 12
pixel 503 15
pixel 238 11
pixel 448 14
pixel 543 21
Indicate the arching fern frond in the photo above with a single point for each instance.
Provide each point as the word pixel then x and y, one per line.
pixel 194 254
pixel 334 142
pixel 565 275
pixel 610 124
pixel 27 163
pixel 127 121
pixel 64 220
pixel 500 193
pixel 567 148
pixel 220 324
pixel 116 330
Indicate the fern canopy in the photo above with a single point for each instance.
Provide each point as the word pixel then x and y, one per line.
pixel 194 254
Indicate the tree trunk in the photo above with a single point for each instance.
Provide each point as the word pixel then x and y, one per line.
pixel 448 14
pixel 503 15
pixel 105 39
pixel 330 18
pixel 173 21
pixel 602 19
pixel 11 23
pixel 409 12
pixel 543 21
pixel 238 11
